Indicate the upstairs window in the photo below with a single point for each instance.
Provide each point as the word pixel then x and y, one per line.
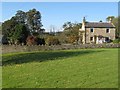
pixel 91 30
pixel 107 30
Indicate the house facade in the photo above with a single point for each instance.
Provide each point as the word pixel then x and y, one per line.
pixel 96 32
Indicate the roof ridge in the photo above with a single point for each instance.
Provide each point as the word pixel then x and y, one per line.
pixel 99 22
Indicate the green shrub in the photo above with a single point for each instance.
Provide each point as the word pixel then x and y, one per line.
pixel 34 40
pixel 40 41
pixel 52 40
pixel 116 41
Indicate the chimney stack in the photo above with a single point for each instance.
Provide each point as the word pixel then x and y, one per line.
pixel 110 20
pixel 83 24
pixel 84 20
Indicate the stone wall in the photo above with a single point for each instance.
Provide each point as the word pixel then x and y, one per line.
pixel 18 48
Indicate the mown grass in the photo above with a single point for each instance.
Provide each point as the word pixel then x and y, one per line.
pixel 83 68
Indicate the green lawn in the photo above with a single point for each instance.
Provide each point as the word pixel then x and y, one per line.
pixel 82 68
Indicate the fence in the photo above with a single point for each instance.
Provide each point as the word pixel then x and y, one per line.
pixel 24 48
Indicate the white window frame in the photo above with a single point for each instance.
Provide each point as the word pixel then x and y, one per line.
pixel 108 29
pixel 92 38
pixel 90 30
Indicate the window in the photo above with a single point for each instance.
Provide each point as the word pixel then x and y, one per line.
pixel 92 30
pixel 107 30
pixel 91 38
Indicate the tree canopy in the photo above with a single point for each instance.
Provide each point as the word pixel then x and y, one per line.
pixel 71 31
pixel 21 25
pixel 115 21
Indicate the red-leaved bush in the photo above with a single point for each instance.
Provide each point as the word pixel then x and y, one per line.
pixel 31 40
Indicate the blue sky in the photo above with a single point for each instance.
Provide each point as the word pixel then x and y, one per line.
pixel 56 13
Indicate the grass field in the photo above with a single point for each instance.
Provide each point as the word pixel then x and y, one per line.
pixel 83 68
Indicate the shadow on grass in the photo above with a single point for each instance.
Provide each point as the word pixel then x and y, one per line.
pixel 43 56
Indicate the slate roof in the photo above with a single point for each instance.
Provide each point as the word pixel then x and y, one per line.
pixel 99 25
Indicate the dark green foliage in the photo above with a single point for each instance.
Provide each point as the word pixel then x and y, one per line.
pixel 40 41
pixel 14 32
pixel 20 16
pixel 17 29
pixel 115 21
pixel 116 41
pixel 7 27
pixel 4 40
pixel 34 20
pixel 34 40
pixel 21 33
pixel 35 34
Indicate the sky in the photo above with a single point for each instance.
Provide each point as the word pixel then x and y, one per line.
pixel 57 13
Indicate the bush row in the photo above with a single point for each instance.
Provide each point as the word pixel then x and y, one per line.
pixel 35 40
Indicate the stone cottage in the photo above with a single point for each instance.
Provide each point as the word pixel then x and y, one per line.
pixel 96 32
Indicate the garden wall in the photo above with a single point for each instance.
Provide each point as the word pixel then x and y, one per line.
pixel 24 48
